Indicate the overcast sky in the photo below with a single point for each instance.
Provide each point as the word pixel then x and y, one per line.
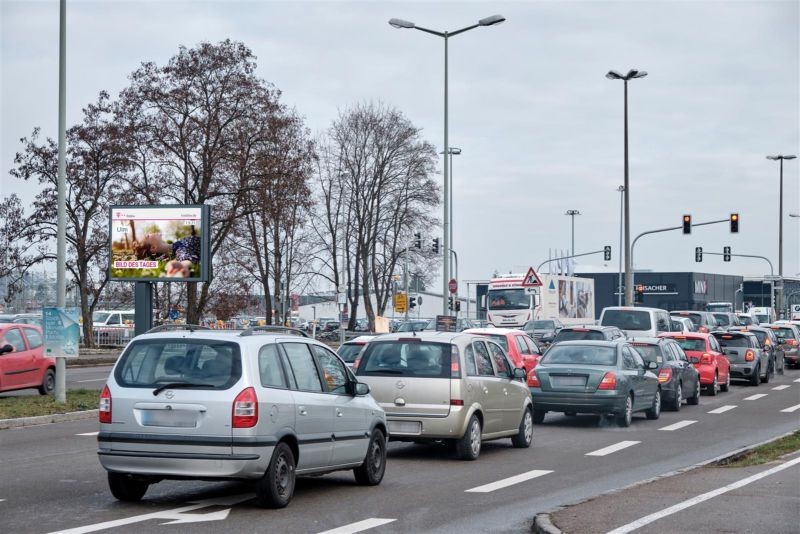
pixel 539 125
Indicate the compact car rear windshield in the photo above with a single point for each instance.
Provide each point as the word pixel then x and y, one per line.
pixel 406 358
pixel 722 319
pixel 784 333
pixel 349 352
pixel 695 344
pixel 728 340
pixel 627 319
pixel 208 364
pixel 581 355
pixel 577 335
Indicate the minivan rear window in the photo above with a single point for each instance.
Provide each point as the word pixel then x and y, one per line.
pixel 572 335
pixel 406 358
pixel 627 319
pixel 349 351
pixel 206 364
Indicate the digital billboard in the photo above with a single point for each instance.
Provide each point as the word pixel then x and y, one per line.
pixel 159 243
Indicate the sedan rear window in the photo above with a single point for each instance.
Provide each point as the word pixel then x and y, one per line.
pixel 627 319
pixel 581 355
pixel 205 364
pixel 406 358
pixel 573 335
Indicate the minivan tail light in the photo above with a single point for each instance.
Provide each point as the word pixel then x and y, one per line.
pixel 609 381
pixel 749 356
pixel 706 358
pixel 455 363
pixel 105 405
pixel 664 375
pixel 533 380
pixel 245 409
pixel 456 402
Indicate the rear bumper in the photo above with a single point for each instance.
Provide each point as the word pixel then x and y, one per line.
pixel 180 465
pixel 601 402
pixel 707 372
pixel 743 370
pixel 452 425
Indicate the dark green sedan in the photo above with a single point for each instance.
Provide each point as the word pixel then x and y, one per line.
pixel 600 377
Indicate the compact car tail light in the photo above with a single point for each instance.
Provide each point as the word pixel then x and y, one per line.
pixel 533 380
pixel 706 358
pixel 455 363
pixel 105 405
pixel 749 356
pixel 664 375
pixel 792 342
pixel 609 381
pixel 702 329
pixel 245 409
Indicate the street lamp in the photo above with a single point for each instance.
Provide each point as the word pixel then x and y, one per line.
pixel 780 211
pixel 404 24
pixel 573 213
pixel 621 190
pixel 452 151
pixel 614 75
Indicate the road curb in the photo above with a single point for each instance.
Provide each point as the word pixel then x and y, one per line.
pixel 20 422
pixel 542 524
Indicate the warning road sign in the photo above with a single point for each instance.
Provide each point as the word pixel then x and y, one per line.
pixel 531 279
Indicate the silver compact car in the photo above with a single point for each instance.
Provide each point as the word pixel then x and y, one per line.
pixel 748 360
pixel 265 404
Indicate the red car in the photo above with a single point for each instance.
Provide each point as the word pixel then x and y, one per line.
pixel 523 351
pixel 706 355
pixel 22 361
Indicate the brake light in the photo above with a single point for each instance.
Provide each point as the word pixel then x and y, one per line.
pixel 456 402
pixel 706 358
pixel 533 380
pixel 792 342
pixel 580 329
pixel 749 356
pixel 767 342
pixel 664 375
pixel 609 381
pixel 702 330
pixel 245 409
pixel 105 405
pixel 455 363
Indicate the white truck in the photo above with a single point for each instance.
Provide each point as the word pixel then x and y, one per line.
pixel 569 299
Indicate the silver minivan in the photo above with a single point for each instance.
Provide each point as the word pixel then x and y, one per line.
pixel 455 387
pixel 265 404
pixel 637 322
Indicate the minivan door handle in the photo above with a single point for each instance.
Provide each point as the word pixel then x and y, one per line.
pixel 302 410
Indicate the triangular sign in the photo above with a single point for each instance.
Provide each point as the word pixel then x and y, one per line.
pixel 531 279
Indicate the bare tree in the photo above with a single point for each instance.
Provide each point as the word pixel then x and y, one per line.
pixel 21 245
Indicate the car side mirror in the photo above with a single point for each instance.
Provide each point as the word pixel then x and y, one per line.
pixel 361 389
pixel 519 372
pixel 6 348
pixel 652 365
pixel 694 359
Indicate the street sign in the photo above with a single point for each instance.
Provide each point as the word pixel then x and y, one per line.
pixel 400 302
pixel 341 298
pixel 452 285
pixel 446 323
pixel 531 279
pixel 531 290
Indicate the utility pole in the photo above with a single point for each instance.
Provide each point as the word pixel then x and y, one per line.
pixel 61 232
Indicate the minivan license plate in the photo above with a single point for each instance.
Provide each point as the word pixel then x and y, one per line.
pixel 405 427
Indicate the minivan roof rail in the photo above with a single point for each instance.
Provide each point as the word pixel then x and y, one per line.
pixel 171 327
pixel 273 329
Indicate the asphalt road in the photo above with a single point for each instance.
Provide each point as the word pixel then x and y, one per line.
pixel 52 480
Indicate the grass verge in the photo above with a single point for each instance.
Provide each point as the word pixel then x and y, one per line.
pixel 29 406
pixel 766 453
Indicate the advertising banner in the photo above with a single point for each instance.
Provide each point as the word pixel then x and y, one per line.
pixel 62 334
pixel 575 299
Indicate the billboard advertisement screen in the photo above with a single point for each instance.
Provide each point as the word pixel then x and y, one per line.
pixel 159 243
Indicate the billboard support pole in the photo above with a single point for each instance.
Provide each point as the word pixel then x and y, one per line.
pixel 143 313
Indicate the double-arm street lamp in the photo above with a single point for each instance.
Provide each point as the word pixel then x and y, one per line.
pixel 614 75
pixel 573 213
pixel 780 211
pixel 404 24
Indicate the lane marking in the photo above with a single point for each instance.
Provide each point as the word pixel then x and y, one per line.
pixel 91 380
pixel 646 520
pixel 756 396
pixel 360 526
pixel 781 388
pixel 723 409
pixel 678 425
pixel 88 434
pixel 797 379
pixel 510 481
pixel 2 500
pixel 791 409
pixel 613 448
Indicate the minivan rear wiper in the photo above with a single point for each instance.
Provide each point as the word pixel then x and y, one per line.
pixel 182 385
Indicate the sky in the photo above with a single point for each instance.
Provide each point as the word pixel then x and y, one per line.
pixel 539 125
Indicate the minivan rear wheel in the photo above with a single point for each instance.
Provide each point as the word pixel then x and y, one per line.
pixel 276 487
pixel 468 447
pixel 524 438
pixel 126 488
pixel 370 473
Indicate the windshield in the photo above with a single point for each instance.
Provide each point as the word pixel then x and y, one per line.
pixel 762 318
pixel 627 319
pixel 746 320
pixel 544 325
pixel 581 354
pixel 696 318
pixel 570 335
pixel 349 352
pixel 406 358
pixel 411 326
pixel 722 319
pixel 695 344
pixel 499 339
pixel 100 317
pixel 649 353
pixel 783 333
pixel 726 340
pixel 508 299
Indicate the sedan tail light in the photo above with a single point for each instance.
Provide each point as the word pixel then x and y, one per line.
pixel 245 409
pixel 105 405
pixel 609 381
pixel 749 356
pixel 533 380
pixel 706 358
pixel 664 375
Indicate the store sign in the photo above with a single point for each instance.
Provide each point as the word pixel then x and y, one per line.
pixel 658 289
pixel 701 287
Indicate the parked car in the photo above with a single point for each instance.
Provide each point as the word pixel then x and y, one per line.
pixel 415 325
pixel 520 347
pixel 264 406
pixel 600 377
pixel 593 333
pixel 543 330
pixel 637 322
pixel 449 386
pixel 682 324
pixel 462 323
pixel 748 319
pixel 768 342
pixel 789 339
pixel 114 318
pixel 705 354
pixel 703 321
pixel 349 350
pixel 678 379
pixel 744 353
pixel 28 318
pixel 22 361
pixel 726 319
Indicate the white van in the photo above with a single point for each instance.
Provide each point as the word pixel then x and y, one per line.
pixel 637 322
pixel 763 314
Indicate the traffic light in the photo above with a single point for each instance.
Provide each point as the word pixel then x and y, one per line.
pixel 450 303
pixel 418 240
pixel 734 223
pixel 698 254
pixel 412 302
pixel 726 253
pixel 458 306
pixel 607 253
pixel 687 224
pixel 436 245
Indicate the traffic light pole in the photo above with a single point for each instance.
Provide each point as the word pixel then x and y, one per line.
pixel 405 276
pixel 570 256
pixel 771 270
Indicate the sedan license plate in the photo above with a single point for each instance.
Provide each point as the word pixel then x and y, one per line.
pixel 405 427
pixel 569 381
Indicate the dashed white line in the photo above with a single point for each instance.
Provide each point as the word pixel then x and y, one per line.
pixel 723 409
pixel 791 409
pixel 506 482
pixel 678 425
pixel 88 434
pixel 797 379
pixel 92 380
pixel 2 500
pixel 756 396
pixel 646 520
pixel 613 448
pixel 359 526
pixel 781 388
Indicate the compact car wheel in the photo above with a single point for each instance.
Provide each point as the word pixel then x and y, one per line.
pixel 714 387
pixel 370 473
pixel 675 405
pixel 524 438
pixel 694 400
pixel 468 447
pixel 727 385
pixel 126 488
pixel 276 487
pixel 625 417
pixel 755 379
pixel 770 372
pixel 655 410
pixel 48 383
pixel 780 365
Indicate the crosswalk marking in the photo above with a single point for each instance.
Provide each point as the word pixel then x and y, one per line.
pixel 613 448
pixel 359 526
pixel 723 409
pixel 781 388
pixel 791 409
pixel 678 425
pixel 756 396
pixel 506 482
